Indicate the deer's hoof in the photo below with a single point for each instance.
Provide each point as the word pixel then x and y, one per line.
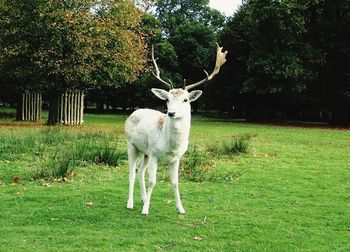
pixel 130 205
pixel 181 210
pixel 145 210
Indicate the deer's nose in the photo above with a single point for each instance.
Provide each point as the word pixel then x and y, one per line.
pixel 171 114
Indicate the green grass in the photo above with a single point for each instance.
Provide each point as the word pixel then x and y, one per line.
pixel 289 192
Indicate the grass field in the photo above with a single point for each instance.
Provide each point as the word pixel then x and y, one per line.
pixel 289 192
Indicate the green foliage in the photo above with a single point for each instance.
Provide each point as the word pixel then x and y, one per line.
pixel 194 43
pixel 172 13
pixel 195 165
pixel 70 44
pixel 190 28
pixel 60 152
pixel 285 56
pixel 65 160
pixel 235 147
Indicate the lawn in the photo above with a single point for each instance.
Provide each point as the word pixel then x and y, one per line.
pixel 289 192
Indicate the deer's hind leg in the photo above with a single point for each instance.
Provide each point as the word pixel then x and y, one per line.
pixel 152 168
pixel 141 170
pixel 134 156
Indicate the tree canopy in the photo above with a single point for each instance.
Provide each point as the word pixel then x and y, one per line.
pixel 71 44
pixel 288 52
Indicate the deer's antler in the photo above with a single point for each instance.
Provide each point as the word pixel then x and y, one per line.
pixel 220 60
pixel 157 73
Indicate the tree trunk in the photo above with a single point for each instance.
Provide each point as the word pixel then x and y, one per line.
pixel 66 108
pixel 53 117
pixel 29 107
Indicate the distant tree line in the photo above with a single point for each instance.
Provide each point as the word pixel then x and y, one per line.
pixel 288 59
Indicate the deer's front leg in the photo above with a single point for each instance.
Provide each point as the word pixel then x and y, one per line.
pixel 174 175
pixel 152 168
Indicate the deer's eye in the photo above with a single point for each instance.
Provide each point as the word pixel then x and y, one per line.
pixel 185 100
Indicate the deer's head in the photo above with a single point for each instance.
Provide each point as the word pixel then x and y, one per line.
pixel 178 99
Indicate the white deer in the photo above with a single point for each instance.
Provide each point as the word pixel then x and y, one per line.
pixel 152 135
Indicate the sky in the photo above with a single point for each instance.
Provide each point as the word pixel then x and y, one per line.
pixel 228 7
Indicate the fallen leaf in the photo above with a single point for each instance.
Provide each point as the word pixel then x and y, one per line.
pixel 89 203
pixel 197 238
pixel 15 179
pixel 54 219
pixel 168 201
pixel 18 193
pixel 96 159
pixel 73 174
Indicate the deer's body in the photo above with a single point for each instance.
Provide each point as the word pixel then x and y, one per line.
pixel 154 136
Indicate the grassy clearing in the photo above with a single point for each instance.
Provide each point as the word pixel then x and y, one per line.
pixel 289 192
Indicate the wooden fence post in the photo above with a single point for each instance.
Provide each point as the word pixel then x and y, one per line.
pixel 29 106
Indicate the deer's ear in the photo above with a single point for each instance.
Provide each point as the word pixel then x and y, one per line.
pixel 160 93
pixel 194 95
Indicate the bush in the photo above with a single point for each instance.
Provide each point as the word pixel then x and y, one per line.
pixel 85 148
pixel 236 147
pixel 194 166
pixel 106 154
pixel 58 166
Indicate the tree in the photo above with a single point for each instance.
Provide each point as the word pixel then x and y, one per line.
pixel 269 40
pixel 172 13
pixel 138 93
pixel 72 45
pixel 190 27
pixel 330 30
pixel 195 47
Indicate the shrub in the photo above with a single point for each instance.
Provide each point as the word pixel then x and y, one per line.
pixel 106 154
pixel 236 147
pixel 85 150
pixel 54 135
pixel 194 166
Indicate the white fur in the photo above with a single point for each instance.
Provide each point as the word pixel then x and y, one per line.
pixel 153 136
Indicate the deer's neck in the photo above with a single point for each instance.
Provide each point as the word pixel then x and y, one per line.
pixel 176 131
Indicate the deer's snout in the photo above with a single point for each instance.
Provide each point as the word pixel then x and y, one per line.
pixel 171 114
